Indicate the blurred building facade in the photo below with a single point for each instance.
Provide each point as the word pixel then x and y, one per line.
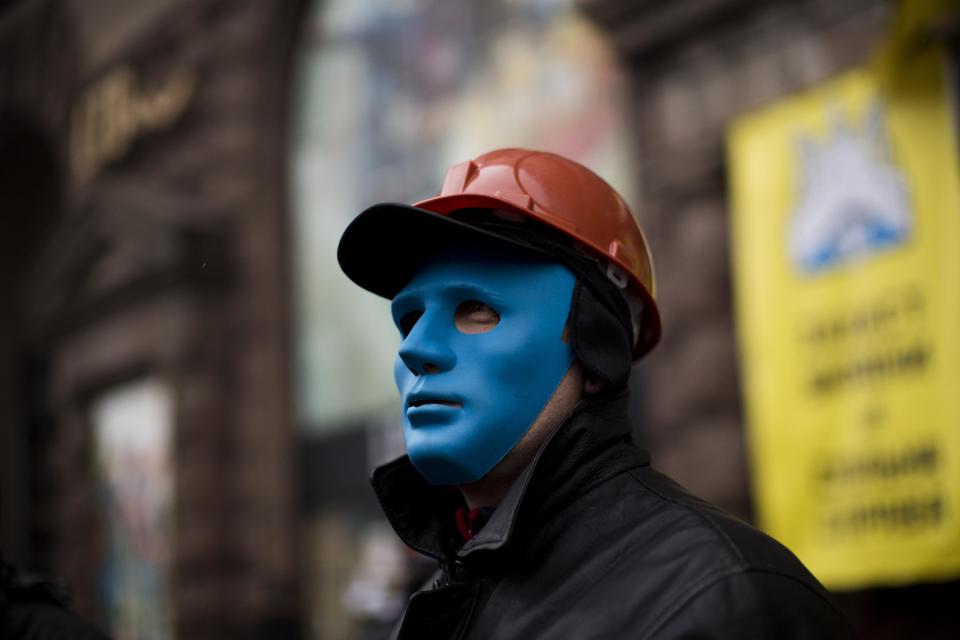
pixel 146 281
pixel 151 241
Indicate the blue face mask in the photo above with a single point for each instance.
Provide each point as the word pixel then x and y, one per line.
pixel 468 398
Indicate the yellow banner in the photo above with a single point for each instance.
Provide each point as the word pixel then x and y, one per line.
pixel 846 243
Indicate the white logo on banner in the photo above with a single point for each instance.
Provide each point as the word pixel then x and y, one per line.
pixel 852 201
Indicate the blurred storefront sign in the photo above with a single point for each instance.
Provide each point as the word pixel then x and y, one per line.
pixel 117 109
pixel 133 427
pixel 846 220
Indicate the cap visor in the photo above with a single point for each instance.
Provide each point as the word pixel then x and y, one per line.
pixel 381 249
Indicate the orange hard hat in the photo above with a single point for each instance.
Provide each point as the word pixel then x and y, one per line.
pixel 546 187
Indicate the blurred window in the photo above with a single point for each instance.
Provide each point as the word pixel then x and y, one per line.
pixel 132 426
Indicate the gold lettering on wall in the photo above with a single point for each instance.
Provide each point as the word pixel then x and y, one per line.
pixel 111 114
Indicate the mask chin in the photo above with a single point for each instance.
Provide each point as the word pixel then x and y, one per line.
pixel 440 469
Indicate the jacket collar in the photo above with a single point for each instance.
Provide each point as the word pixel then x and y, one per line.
pixel 592 445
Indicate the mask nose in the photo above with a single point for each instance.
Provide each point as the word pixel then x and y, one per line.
pixel 425 350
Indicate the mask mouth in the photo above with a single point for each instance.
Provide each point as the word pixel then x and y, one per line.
pixel 422 401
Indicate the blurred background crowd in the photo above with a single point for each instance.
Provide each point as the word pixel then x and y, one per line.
pixel 192 395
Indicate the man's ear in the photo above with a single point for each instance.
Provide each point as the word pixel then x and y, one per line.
pixel 600 338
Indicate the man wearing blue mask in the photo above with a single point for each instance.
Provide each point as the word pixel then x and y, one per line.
pixel 523 293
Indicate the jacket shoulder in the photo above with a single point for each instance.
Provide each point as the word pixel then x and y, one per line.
pixel 733 543
pixel 707 567
pixel 754 604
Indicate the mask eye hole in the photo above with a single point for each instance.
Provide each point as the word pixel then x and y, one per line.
pixel 407 321
pixel 473 316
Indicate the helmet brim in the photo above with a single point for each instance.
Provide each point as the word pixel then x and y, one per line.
pixel 381 249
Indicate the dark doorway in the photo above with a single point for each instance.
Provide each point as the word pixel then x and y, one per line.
pixel 30 203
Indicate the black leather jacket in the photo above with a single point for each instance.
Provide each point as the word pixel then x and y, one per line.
pixel 590 542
